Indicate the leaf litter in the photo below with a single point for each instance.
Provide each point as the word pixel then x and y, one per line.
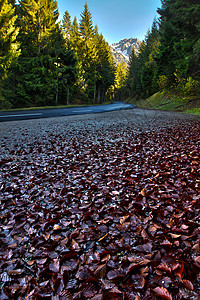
pixel 106 207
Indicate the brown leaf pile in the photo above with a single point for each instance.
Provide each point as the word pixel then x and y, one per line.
pixel 85 218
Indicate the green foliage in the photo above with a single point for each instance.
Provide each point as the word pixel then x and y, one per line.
pixel 86 25
pixel 192 87
pixel 45 68
pixel 120 79
pixel 8 34
pixel 95 68
pixel 58 63
pixel 170 54
pixel 9 48
pixel 179 31
pixel 66 24
pixel 163 82
pixel 38 26
pixel 142 70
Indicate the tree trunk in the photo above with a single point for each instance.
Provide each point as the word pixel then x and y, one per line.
pixel 57 91
pixel 99 95
pixel 105 97
pixel 68 96
pixel 39 32
pixel 102 96
pixel 95 91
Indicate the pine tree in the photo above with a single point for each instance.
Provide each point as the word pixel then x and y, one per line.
pixel 149 68
pixel 75 36
pixel 142 70
pixel 130 83
pixel 66 74
pixel 41 73
pixel 86 25
pixel 94 73
pixel 40 40
pixel 105 67
pixel 83 44
pixel 8 34
pixel 141 59
pixel 67 25
pixel 9 48
pixel 169 35
pixel 38 25
pixel 179 31
pixel 120 79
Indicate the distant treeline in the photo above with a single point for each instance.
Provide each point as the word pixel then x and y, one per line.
pixel 46 62
pixel 169 57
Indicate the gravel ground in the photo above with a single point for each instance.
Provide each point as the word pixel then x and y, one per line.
pixel 109 126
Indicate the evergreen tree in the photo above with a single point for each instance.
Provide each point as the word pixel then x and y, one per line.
pixel 75 36
pixel 40 38
pixel 179 31
pixel 67 25
pixel 66 74
pixel 117 89
pixel 56 62
pixel 86 51
pixel 142 70
pixel 97 60
pixel 8 45
pixel 149 68
pixel 138 69
pixel 169 35
pixel 8 34
pixel 105 67
pixel 130 82
pixel 41 73
pixel 75 45
pixel 38 25
pixel 86 25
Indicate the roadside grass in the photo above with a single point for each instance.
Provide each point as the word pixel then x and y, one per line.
pixel 170 101
pixel 53 106
pixel 194 111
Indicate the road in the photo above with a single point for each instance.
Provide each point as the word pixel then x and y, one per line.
pixel 58 112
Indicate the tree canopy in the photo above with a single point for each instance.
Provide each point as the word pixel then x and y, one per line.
pixel 169 55
pixel 59 62
pixel 46 62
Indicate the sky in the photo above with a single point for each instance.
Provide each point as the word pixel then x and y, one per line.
pixel 116 19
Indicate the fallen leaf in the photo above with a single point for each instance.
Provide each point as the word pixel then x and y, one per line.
pixel 162 293
pixel 114 274
pixel 55 265
pixel 188 284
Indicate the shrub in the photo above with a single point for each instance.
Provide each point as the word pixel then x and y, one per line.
pixel 163 82
pixel 192 87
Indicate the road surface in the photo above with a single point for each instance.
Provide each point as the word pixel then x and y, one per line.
pixel 58 112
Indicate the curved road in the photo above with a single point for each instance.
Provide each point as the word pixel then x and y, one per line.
pixel 57 112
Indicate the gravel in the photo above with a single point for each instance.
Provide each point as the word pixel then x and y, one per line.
pixel 109 127
pixel 108 189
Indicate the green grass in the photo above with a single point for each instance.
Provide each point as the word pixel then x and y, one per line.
pixel 169 101
pixel 52 107
pixel 193 111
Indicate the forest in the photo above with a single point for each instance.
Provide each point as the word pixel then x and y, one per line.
pixel 44 62
pixel 169 56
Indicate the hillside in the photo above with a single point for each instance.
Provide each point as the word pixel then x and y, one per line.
pixel 170 100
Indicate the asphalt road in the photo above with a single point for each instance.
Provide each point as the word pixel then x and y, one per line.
pixel 58 112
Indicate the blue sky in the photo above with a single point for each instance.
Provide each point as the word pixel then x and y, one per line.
pixel 116 19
